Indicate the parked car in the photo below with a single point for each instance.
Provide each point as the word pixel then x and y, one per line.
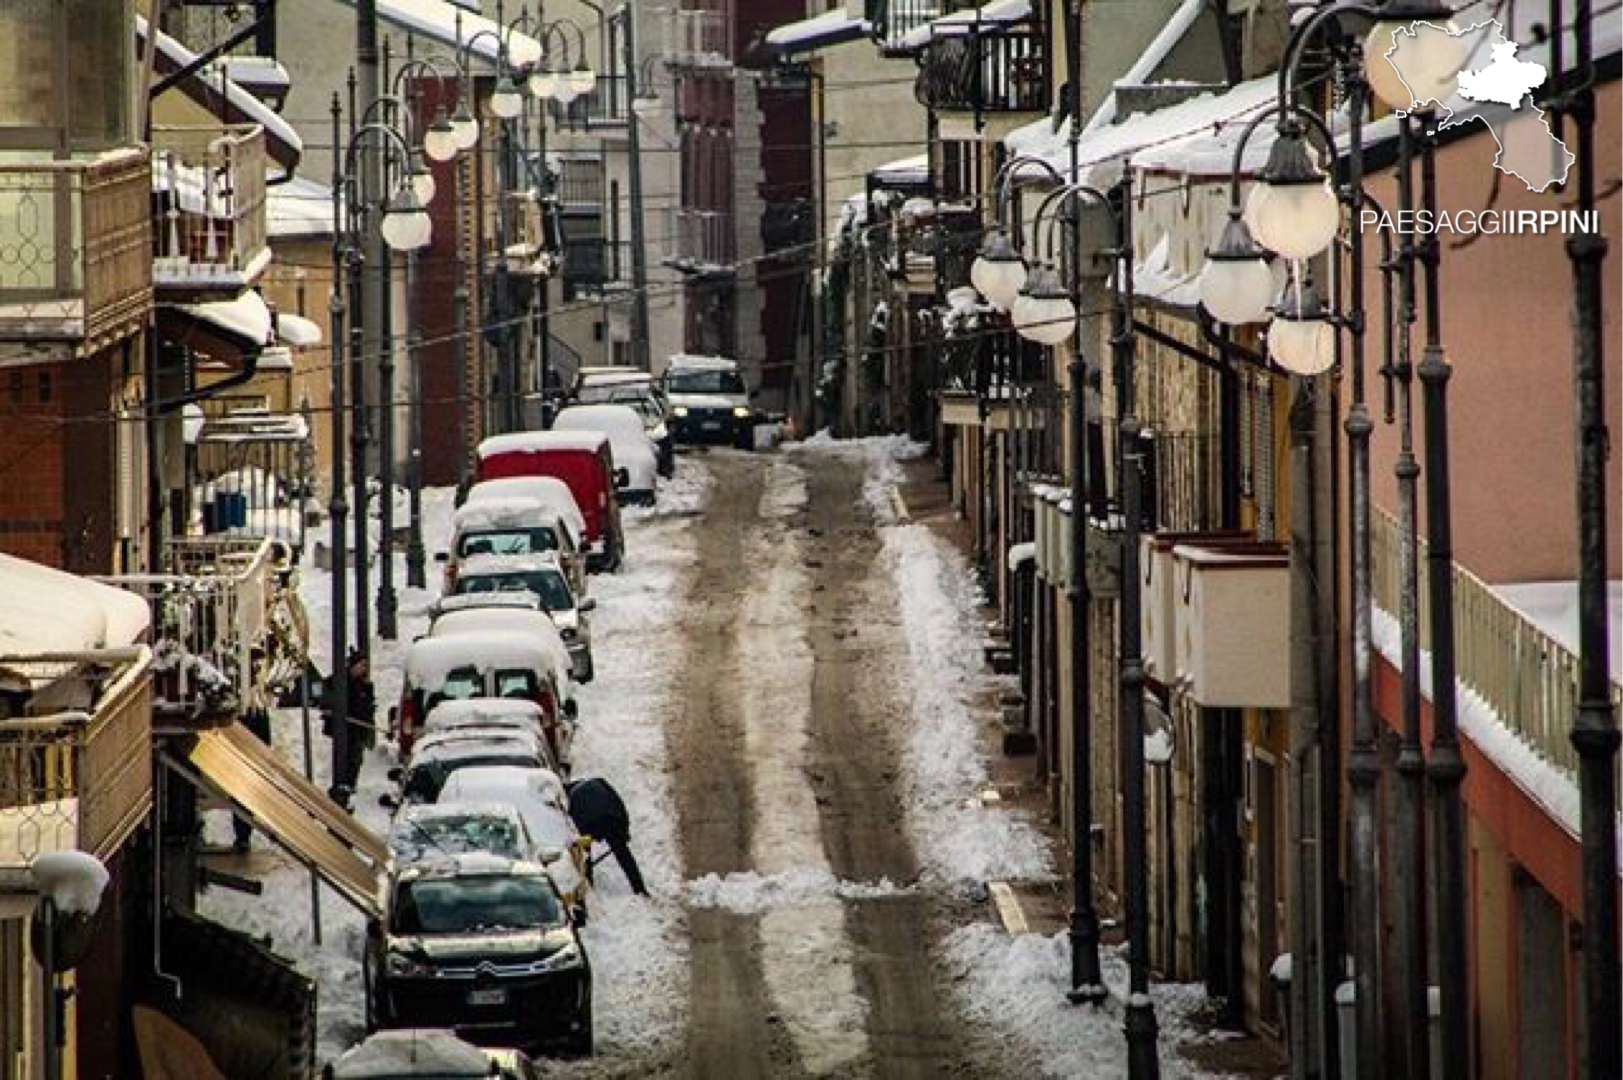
pixel 481 665
pixel 543 577
pixel 425 830
pixel 633 450
pixel 550 491
pixel 437 755
pixel 513 526
pixel 423 1054
pixel 539 797
pixel 643 392
pixel 495 714
pixel 485 945
pixel 583 460
pixel 709 401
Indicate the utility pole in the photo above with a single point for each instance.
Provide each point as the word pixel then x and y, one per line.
pixel 387 601
pixel 335 690
pixel 639 237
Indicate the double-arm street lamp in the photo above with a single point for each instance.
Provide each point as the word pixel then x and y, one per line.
pixel 1043 309
pixel 405 226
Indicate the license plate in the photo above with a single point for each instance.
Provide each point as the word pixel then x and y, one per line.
pixel 711 425
pixel 487 997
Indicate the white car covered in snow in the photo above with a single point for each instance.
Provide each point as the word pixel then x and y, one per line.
pixel 633 450
pixel 515 525
pixel 539 797
pixel 543 577
pixel 709 401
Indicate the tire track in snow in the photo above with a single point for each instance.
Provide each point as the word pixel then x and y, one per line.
pixel 806 952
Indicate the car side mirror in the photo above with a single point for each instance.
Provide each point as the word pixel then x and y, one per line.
pixel 388 802
pixel 578 913
pixel 395 774
pixel 622 478
pixel 588 604
pixel 571 709
pixel 442 556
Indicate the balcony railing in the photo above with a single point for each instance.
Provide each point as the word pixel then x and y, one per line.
pixel 75 248
pixel 608 104
pixel 894 20
pixel 78 779
pixel 229 633
pixel 209 207
pixel 580 182
pixel 701 239
pixel 699 39
pixel 1527 677
pixel 1002 70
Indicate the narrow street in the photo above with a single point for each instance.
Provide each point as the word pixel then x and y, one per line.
pixel 815 955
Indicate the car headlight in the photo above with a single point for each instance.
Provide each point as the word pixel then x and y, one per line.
pixel 566 957
pixel 680 410
pixel 741 412
pixel 403 965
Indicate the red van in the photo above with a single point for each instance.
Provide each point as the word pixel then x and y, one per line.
pixel 581 459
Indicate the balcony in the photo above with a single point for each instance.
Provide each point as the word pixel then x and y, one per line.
pixel 699 40
pixel 1526 678
pixel 209 206
pixel 1001 69
pixel 78 780
pixel 608 105
pixel 229 634
pixel 701 241
pixel 894 21
pixel 75 249
pixel 580 183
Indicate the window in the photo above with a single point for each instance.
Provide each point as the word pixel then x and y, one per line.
pixel 507 542
pixel 466 905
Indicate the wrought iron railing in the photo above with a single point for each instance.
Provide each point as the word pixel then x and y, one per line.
pixel 703 238
pixel 230 632
pixel 1529 679
pixel 999 69
pixel 209 206
pixel 608 103
pixel 75 247
pixel 78 779
pixel 580 181
pixel 894 20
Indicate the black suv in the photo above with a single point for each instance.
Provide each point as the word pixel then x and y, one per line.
pixel 484 945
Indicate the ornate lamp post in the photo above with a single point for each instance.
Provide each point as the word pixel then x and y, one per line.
pixel 1296 213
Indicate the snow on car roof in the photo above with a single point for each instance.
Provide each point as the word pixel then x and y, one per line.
pixel 531 626
pixel 492 563
pixel 515 512
pixel 449 747
pixel 470 710
pixel 693 360
pixel 614 376
pixel 389 1055
pixel 613 420
pixel 548 489
pixel 430 660
pixel 442 811
pixel 532 442
pixel 500 783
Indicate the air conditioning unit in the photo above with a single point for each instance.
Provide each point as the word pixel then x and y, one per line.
pixel 1158 599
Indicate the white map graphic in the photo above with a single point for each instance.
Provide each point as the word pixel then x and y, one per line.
pixel 1528 149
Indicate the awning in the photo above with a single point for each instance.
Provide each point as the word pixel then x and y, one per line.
pixel 833 27
pixel 224 330
pixel 233 764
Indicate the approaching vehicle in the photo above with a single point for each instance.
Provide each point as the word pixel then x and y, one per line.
pixel 643 392
pixel 482 944
pixel 633 450
pixel 412 1053
pixel 483 665
pixel 539 798
pixel 513 526
pixel 543 577
pixel 437 755
pixel 424 831
pixel 583 460
pixel 709 402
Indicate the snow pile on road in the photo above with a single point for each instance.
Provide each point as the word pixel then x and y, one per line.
pixel 1014 986
pixel 751 893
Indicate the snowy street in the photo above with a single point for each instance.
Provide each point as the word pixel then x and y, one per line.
pixel 785 703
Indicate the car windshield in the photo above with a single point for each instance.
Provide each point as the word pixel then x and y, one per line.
pixel 548 584
pixel 705 382
pixel 457 835
pixel 507 542
pixel 473 904
pixel 515 684
pixel 460 683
